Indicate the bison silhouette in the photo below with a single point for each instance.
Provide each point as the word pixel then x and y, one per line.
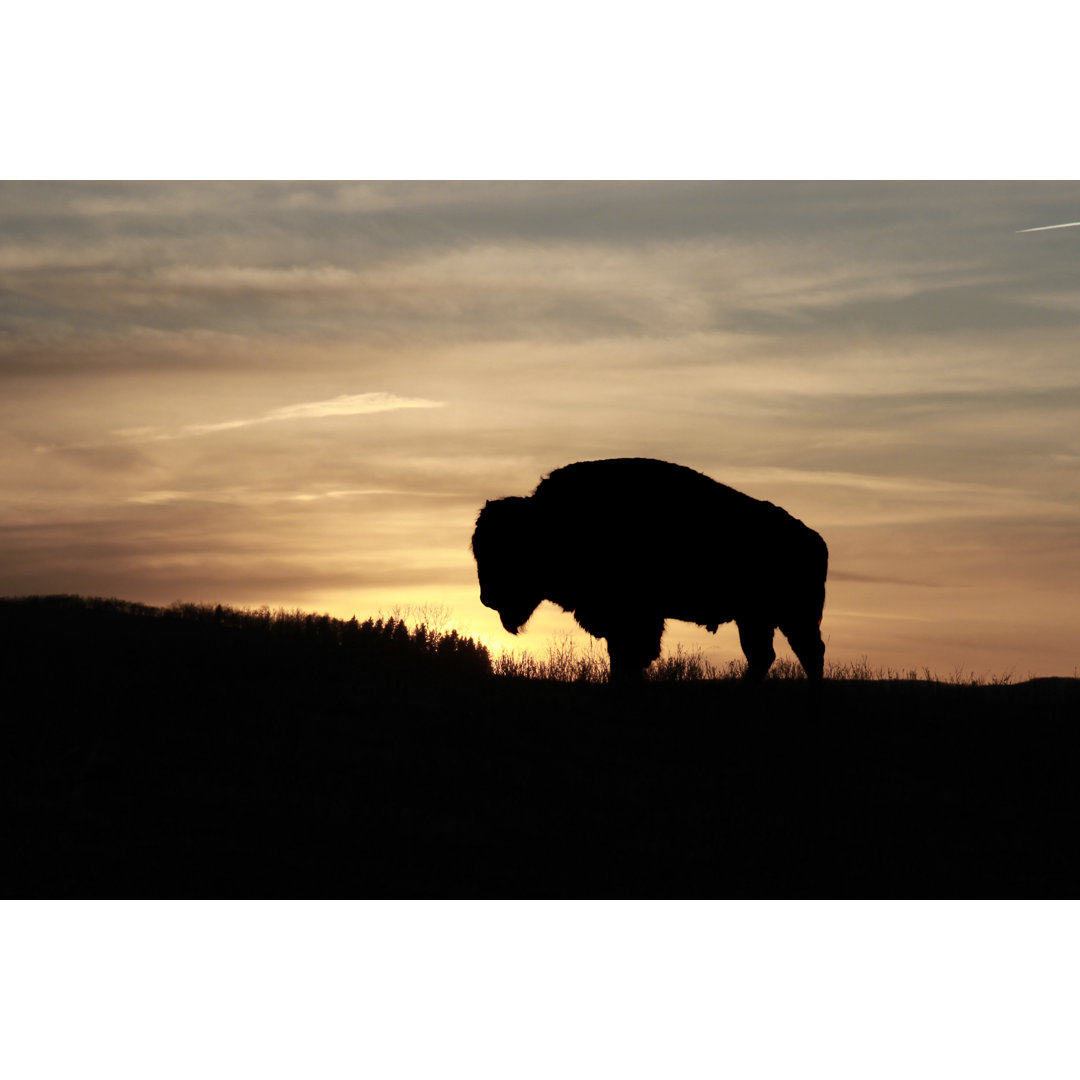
pixel 629 542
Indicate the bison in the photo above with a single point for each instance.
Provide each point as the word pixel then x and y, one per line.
pixel 629 542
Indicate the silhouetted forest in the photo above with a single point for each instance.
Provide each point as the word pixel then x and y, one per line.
pixel 199 751
pixel 90 636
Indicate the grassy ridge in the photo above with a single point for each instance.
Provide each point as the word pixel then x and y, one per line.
pixel 215 637
pixel 195 751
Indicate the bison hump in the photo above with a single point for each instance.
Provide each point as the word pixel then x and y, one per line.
pixel 643 487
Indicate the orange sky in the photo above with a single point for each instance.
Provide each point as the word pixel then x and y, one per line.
pixel 299 395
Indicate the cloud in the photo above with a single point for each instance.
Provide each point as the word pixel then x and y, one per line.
pixel 879 579
pixel 875 482
pixel 110 269
pixel 343 405
pixel 248 496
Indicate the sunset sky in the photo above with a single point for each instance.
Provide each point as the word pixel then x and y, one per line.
pixel 300 394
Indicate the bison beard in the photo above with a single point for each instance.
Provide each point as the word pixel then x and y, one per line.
pixel 626 543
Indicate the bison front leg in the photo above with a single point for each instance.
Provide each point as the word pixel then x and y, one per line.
pixel 632 647
pixel 756 637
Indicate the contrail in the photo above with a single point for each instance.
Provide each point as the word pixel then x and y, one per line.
pixel 1041 228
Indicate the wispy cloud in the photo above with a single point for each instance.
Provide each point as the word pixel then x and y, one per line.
pixel 343 405
pixel 879 579
pixel 247 496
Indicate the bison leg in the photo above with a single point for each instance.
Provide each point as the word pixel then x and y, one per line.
pixel 756 641
pixel 804 637
pixel 633 647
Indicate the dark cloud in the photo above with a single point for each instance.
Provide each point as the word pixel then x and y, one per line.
pixel 928 313
pixel 390 264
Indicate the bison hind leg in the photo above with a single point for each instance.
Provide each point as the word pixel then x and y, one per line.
pixel 756 641
pixel 632 646
pixel 804 637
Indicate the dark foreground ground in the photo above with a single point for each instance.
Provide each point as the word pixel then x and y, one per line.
pixel 128 772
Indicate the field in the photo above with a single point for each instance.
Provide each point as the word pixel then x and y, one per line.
pixel 203 752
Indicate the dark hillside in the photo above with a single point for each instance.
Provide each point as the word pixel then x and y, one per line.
pixel 199 752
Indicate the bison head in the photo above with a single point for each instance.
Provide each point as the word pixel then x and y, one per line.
pixel 505 549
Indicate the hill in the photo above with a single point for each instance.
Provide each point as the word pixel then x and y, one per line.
pixel 201 752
